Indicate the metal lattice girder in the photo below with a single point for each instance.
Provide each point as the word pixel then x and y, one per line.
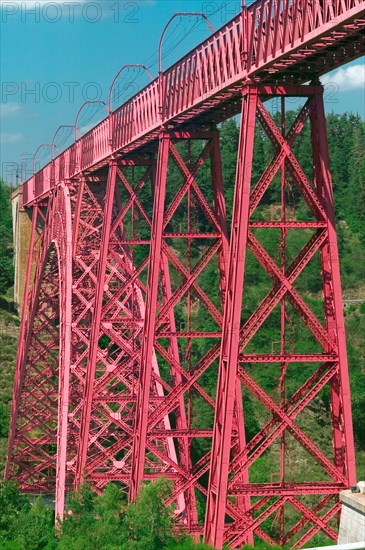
pixel 239 364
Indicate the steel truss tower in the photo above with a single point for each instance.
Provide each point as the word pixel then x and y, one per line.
pixel 144 344
pixel 321 364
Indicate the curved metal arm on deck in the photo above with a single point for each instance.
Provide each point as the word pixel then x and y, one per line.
pixel 54 137
pixel 89 101
pixel 127 66
pixel 36 153
pixel 177 14
pixel 135 65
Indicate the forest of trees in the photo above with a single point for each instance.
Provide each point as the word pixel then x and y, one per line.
pixel 93 522
pixel 107 521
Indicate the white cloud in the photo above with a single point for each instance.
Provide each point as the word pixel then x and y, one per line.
pixel 10 138
pixel 9 109
pixel 347 78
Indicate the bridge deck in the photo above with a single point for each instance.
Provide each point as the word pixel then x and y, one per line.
pixel 289 41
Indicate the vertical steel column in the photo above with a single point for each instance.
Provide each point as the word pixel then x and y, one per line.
pixel 95 329
pixel 220 209
pixel 140 432
pixel 283 314
pixel 228 364
pixel 77 214
pixel 65 304
pixel 340 384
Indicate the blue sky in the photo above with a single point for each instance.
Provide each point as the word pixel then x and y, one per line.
pixel 55 55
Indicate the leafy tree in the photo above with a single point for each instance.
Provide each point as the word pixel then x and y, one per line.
pixel 6 239
pixel 189 544
pixel 148 521
pixel 35 527
pixel 106 522
pixel 79 527
pixel 13 505
pixel 4 419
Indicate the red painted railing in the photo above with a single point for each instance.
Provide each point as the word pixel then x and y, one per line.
pixel 266 32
